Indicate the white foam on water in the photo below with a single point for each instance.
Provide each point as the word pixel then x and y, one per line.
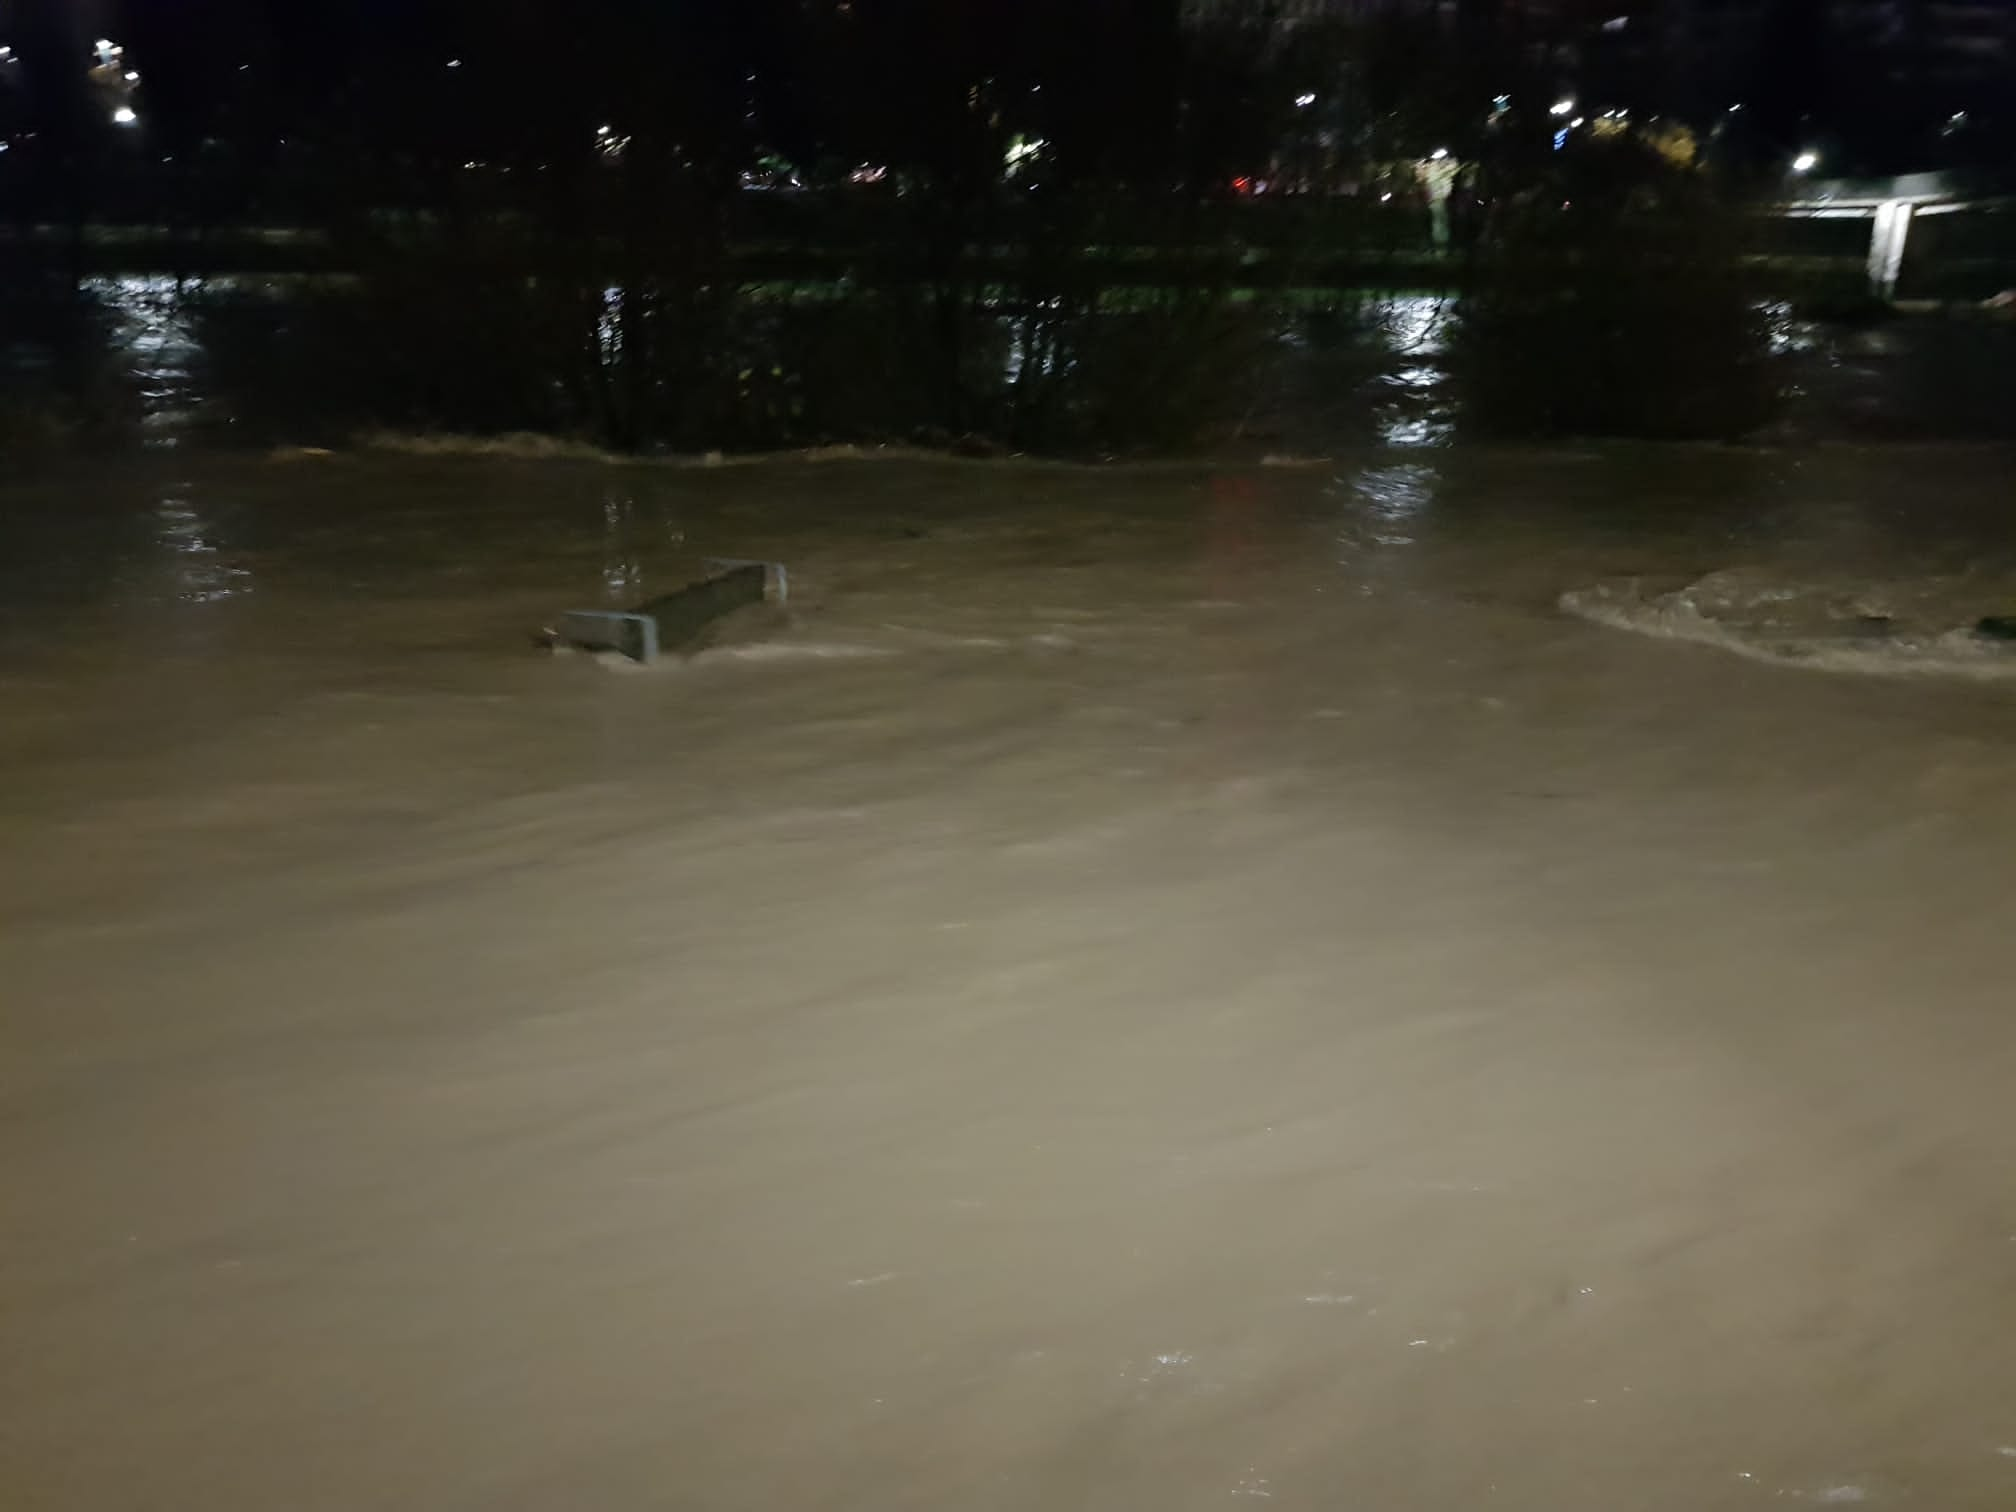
pixel 1894 630
pixel 774 651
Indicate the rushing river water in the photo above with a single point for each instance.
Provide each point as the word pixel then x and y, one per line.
pixel 1163 987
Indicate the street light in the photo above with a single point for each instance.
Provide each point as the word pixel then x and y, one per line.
pixel 125 115
pixel 1563 106
pixel 1806 162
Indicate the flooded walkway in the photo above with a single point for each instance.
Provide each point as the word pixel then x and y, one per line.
pixel 1165 988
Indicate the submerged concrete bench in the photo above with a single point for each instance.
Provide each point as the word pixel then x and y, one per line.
pixel 676 621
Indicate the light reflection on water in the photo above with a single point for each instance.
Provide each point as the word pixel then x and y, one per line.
pixel 1015 355
pixel 1787 335
pixel 1399 492
pixel 608 327
pixel 154 339
pixel 1415 430
pixel 622 570
pixel 1417 324
pixel 1411 410
pixel 200 573
pixel 1387 505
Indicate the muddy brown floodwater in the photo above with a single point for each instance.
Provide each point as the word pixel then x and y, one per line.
pixel 1167 988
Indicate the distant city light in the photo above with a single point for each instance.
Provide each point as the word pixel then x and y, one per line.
pixel 124 116
pixel 1561 107
pixel 1736 107
pixel 454 62
pixel 1576 122
pixel 1438 154
pixel 1806 162
pixel 1386 196
pixel 1304 101
pixel 1561 139
pixel 132 76
pixel 605 131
